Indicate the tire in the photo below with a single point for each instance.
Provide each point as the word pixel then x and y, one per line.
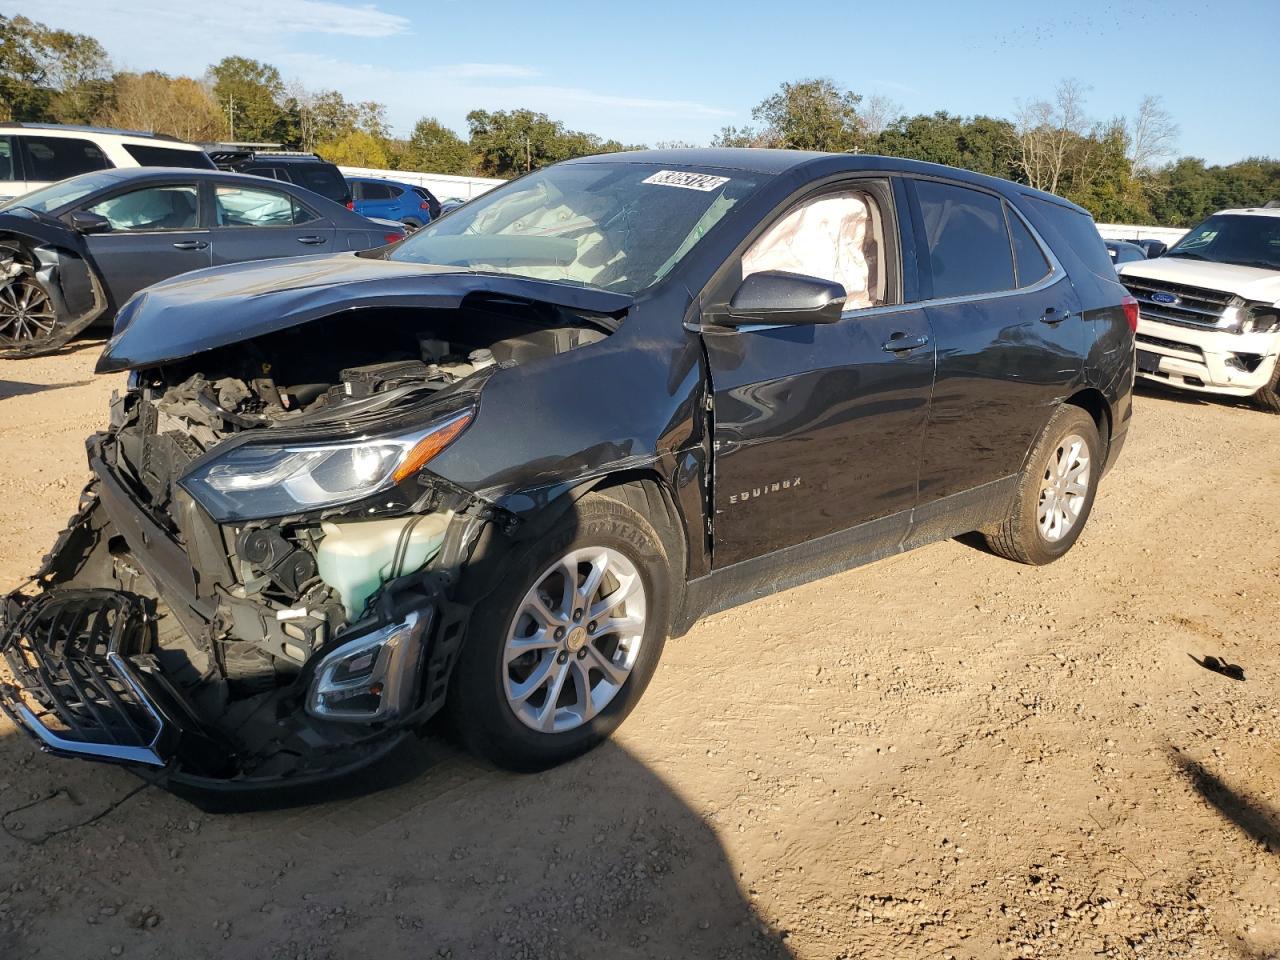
pixel 29 321
pixel 485 702
pixel 410 224
pixel 1268 398
pixel 1038 536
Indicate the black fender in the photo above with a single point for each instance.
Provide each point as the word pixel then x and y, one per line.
pixel 56 257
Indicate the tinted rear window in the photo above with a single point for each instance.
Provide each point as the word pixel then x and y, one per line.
pixel 8 170
pixel 1081 233
pixel 376 191
pixel 966 239
pixel 320 178
pixel 56 158
pixel 151 156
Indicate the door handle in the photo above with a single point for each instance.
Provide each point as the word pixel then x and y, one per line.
pixel 901 342
pixel 190 245
pixel 1053 317
pixel 311 241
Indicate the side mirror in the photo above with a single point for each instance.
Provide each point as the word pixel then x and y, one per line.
pixel 775 296
pixel 82 221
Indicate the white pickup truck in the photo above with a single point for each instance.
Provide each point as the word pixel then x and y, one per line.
pixel 1209 308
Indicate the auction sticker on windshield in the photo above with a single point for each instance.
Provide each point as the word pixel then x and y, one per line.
pixel 690 181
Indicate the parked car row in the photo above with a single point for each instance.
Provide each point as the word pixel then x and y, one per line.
pixel 490 468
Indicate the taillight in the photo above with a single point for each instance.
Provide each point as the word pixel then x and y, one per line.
pixel 1130 312
pixel 351 204
pixel 424 205
pixel 392 237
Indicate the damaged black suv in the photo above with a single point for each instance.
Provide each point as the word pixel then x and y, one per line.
pixel 494 466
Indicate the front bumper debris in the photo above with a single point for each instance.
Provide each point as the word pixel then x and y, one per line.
pixel 88 684
pixel 1206 360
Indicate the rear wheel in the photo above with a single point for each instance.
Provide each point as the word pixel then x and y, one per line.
pixel 561 651
pixel 1055 491
pixel 1268 398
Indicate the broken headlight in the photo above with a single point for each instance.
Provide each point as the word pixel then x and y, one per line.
pixel 258 480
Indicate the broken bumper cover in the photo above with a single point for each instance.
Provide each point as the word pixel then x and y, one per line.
pixel 1211 361
pixel 88 686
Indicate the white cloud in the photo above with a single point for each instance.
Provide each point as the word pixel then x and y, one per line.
pixel 205 23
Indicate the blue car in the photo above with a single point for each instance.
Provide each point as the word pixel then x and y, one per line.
pixel 412 205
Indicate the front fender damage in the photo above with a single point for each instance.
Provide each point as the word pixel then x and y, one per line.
pixel 55 259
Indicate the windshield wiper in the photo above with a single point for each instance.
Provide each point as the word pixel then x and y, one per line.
pixel 1256 263
pixel 1189 256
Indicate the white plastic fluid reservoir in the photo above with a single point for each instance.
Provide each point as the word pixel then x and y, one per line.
pixel 356 558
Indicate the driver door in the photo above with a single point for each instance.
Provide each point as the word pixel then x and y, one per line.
pixel 155 234
pixel 818 428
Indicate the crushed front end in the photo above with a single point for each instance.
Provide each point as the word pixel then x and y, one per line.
pixel 259 585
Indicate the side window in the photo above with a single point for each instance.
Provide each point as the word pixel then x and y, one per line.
pixel 170 207
pixel 149 156
pixel 376 191
pixel 395 192
pixel 56 158
pixel 967 243
pixel 1028 258
pixel 254 207
pixel 838 236
pixel 8 169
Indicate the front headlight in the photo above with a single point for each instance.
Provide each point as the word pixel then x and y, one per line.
pixel 259 480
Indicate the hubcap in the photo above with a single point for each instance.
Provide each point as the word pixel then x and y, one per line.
pixel 574 639
pixel 26 313
pixel 1064 489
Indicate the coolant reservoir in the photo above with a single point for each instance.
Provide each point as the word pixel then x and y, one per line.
pixel 356 558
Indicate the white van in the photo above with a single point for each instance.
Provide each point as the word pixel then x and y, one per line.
pixel 34 155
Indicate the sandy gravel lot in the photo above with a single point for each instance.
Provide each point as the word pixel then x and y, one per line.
pixel 941 755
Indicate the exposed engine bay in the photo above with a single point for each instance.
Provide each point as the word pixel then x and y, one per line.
pixel 287 637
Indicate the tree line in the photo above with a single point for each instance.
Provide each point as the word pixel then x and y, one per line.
pixel 1121 169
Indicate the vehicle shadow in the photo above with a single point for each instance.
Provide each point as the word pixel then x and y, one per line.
pixel 1257 820
pixel 1150 388
pixel 457 860
pixel 18 388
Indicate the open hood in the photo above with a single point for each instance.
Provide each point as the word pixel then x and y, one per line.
pixel 1251 283
pixel 206 309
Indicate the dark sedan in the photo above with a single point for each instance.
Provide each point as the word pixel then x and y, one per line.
pixel 74 252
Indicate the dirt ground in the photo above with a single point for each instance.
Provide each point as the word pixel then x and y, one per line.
pixel 940 755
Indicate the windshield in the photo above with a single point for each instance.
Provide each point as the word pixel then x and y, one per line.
pixel 1248 241
pixel 617 226
pixel 61 193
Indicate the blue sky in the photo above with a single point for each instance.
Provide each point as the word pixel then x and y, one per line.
pixel 648 72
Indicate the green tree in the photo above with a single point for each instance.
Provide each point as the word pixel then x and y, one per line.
pixel 814 114
pixel 434 148
pixel 48 74
pixel 511 142
pixel 251 95
pixel 358 148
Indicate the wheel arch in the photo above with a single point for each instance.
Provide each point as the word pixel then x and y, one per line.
pixel 1092 401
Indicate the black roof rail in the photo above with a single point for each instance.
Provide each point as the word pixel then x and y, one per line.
pixel 84 128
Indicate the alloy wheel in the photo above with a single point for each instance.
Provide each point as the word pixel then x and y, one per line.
pixel 26 313
pixel 1064 489
pixel 574 639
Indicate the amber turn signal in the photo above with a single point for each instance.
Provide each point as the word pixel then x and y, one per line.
pixel 430 445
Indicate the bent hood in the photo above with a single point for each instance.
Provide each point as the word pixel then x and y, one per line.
pixel 1251 283
pixel 212 308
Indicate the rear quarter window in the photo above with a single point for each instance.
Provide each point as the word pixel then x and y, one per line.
pixel 322 179
pixel 1079 232
pixel 151 156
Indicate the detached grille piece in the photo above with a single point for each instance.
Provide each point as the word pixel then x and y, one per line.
pixel 67 650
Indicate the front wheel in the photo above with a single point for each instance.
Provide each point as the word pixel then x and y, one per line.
pixel 1268 398
pixel 1055 491
pixel 561 651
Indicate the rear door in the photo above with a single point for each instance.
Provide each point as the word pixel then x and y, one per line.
pixel 817 428
pixel 377 200
pixel 50 159
pixel 1009 335
pixel 155 234
pixel 262 223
